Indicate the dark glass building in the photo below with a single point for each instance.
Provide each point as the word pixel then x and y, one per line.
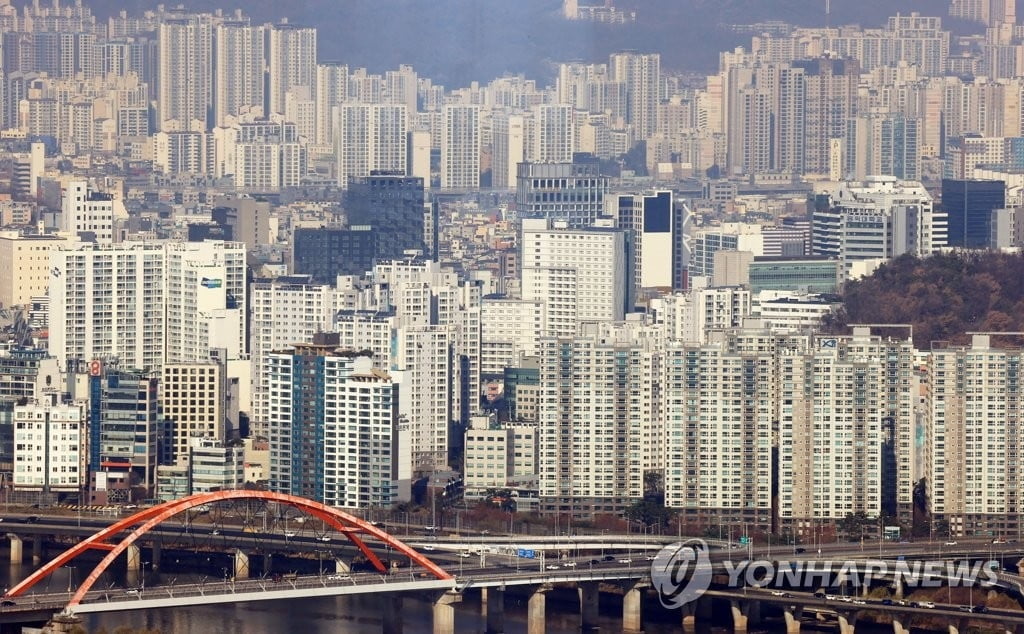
pixel 324 253
pixel 393 205
pixel 969 205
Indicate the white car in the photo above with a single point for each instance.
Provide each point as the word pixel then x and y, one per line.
pixel 778 593
pixel 339 578
pixel 625 561
pixel 570 564
pixel 325 538
pixel 289 534
pixel 465 555
pixel 927 604
pixel 429 547
pixel 951 543
pixel 552 567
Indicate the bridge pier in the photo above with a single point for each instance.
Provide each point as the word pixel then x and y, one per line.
pixel 535 610
pixel 61 623
pixel 739 617
pixel 898 627
pixel 956 626
pixel 847 622
pixel 589 602
pixel 703 608
pixel 444 612
pixel 632 609
pixel 155 554
pixel 17 548
pixel 792 614
pixel 241 565
pixel 897 587
pixel 133 558
pixel 391 612
pixel 37 549
pixel 492 600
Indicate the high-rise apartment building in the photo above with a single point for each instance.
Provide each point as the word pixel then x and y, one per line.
pixel 597 442
pixel 974 407
pixel 460 147
pixel 553 133
pixel 641 74
pixel 185 72
pixel 24 266
pixel 369 137
pixel 291 63
pixel 283 311
pixel 333 426
pixel 579 275
pixel 657 240
pixel 508 148
pixel 238 73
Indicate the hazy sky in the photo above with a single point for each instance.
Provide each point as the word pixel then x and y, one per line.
pixel 458 41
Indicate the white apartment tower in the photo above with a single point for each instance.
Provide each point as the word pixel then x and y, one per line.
pixel 508 148
pixel 641 73
pixel 238 70
pixel 601 428
pixel 184 73
pixel 553 137
pixel 579 274
pixel 974 404
pixel 369 137
pixel 460 147
pixel 291 55
pixel 51 450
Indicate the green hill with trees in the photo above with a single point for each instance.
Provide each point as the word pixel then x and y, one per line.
pixel 944 296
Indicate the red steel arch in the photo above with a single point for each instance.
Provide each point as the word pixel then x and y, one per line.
pixel 146 519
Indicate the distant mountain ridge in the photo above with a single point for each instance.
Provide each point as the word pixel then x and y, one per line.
pixel 458 41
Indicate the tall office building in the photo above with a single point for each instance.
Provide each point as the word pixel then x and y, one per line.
pixel 460 147
pixel 291 55
pixel 579 274
pixel 657 237
pixel 596 446
pixel 326 253
pixel 238 75
pixel 969 205
pixel 974 408
pixel 333 426
pixel 192 399
pixel 574 192
pixel 846 430
pixel 124 424
pixel 391 203
pixel 881 218
pixel 369 137
pixel 185 73
pixel 641 74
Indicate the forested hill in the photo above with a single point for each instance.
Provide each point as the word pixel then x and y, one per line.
pixel 943 296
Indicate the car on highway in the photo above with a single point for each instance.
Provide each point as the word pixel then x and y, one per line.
pixel 430 528
pixel 979 609
pixel 859 602
pixel 964 608
pixel 465 555
pixel 570 564
pixel 801 551
pixel 132 591
pixel 887 602
pixel 325 538
pixel 926 604
pixel 215 532
pixel 609 557
pixel 649 558
pixel 778 593
pixel 820 595
pixel 289 534
pixel 552 567
pixel 951 542
pixel 998 541
pixel 7 603
pixel 32 519
pixel 429 547
pixel 625 561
